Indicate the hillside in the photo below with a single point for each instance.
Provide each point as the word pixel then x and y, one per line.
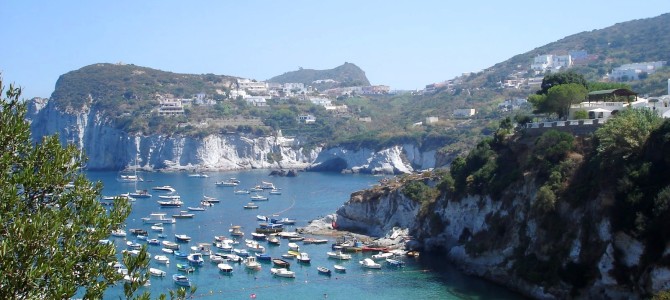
pixel 633 41
pixel 345 75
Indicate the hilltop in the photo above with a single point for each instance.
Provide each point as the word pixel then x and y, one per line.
pixel 346 75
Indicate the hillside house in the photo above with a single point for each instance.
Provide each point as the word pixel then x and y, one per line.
pixel 464 112
pixel 252 86
pixel 321 101
pixel 431 120
pixel 307 119
pixel 258 101
pixel 170 107
pixel 633 71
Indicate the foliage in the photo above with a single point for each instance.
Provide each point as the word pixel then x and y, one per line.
pixel 624 135
pixel 545 201
pixel 559 98
pixel 599 86
pixel 551 148
pixel 581 115
pixel 419 191
pixel 49 234
pixel 560 78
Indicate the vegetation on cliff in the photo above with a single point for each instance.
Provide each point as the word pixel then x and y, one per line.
pixel 345 75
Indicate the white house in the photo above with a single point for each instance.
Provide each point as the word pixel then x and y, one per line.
pixel 256 100
pixel 633 71
pixel 252 86
pixel 170 107
pixel 307 119
pixel 321 101
pixel 464 112
pixel 431 120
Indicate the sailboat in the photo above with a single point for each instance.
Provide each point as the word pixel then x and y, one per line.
pixel 138 193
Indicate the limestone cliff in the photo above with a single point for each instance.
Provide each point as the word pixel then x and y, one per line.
pixel 502 241
pixel 108 148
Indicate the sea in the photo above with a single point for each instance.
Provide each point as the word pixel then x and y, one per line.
pixel 303 198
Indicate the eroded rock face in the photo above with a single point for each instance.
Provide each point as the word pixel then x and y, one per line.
pixel 108 148
pixel 503 240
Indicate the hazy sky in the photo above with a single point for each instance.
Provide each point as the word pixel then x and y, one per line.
pixel 403 44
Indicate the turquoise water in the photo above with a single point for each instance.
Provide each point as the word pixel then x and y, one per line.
pixel 306 197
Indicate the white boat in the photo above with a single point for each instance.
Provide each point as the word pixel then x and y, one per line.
pixel 155 242
pixel 198 175
pixel 275 192
pixel 236 231
pixel 158 218
pixel 197 208
pixel 254 246
pixel 225 268
pixel 267 185
pixel 210 199
pixel 250 205
pixel 170 203
pixel 323 270
pixel 251 263
pixel 183 215
pixel 170 245
pixel 119 233
pixel 162 259
pixel 227 183
pixel 257 197
pixel 167 250
pixel 262 218
pixel 133 245
pixel 157 227
pixel 181 280
pixel 293 246
pixel 338 255
pixel 286 221
pixel 303 257
pixel 217 259
pixel 370 264
pixel 231 257
pixel 224 246
pixel 169 197
pixel 204 203
pixel 382 255
pixel 128 178
pixel 395 262
pixel 195 259
pixel 274 240
pixel 282 272
pixel 258 236
pixel 242 192
pixel 340 268
pixel 140 194
pixel 157 272
pixel 165 188
pixel 182 238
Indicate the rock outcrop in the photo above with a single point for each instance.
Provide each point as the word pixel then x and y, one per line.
pixel 503 240
pixel 109 148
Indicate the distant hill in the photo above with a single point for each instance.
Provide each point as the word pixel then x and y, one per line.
pixel 345 75
pixel 127 88
pixel 633 41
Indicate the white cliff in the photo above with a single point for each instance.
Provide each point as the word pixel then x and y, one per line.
pixel 109 148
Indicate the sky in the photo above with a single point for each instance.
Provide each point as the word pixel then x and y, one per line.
pixel 402 44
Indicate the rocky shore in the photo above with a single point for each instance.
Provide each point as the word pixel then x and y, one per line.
pixel 396 238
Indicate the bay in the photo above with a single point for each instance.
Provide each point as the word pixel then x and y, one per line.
pixel 304 198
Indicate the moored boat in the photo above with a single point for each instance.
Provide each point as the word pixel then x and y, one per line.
pixel 162 259
pixel 226 183
pixel 195 259
pixel 140 194
pixel 170 245
pixel 197 208
pixel 236 231
pixel 338 255
pixel 185 268
pixel 183 215
pixel 280 263
pixel 340 268
pixel 170 203
pixel 158 218
pixel 257 197
pixel 293 246
pixel 282 272
pixel 323 270
pixel 157 272
pixel 250 205
pixel 181 280
pixel 225 268
pixel 303 257
pixel 165 188
pixel 119 233
pixel 182 238
pixel 395 262
pixel 251 263
pixel 370 264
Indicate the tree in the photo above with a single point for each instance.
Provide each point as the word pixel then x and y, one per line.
pixel 560 97
pixel 624 135
pixel 50 233
pixel 553 80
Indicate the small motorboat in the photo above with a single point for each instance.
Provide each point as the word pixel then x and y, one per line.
pixel 183 215
pixel 323 270
pixel 162 259
pixel 395 262
pixel 181 280
pixel 165 188
pixel 258 236
pixel 157 272
pixel 280 263
pixel 185 268
pixel 231 257
pixel 157 227
pixel 242 192
pixel 338 255
pixel 251 263
pixel 275 192
pixel 170 245
pixel 263 257
pixel 195 259
pixel 180 255
pixel 216 259
pixel 250 205
pixel 155 242
pixel 370 264
pixel 168 251
pixel 182 238
pixel 340 268
pixel 303 257
pixel 119 233
pixel 197 208
pixel 274 240
pixel 282 272
pixel 382 255
pixel 288 256
pixel 133 245
pixel 257 197
pixel 293 246
pixel 225 268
